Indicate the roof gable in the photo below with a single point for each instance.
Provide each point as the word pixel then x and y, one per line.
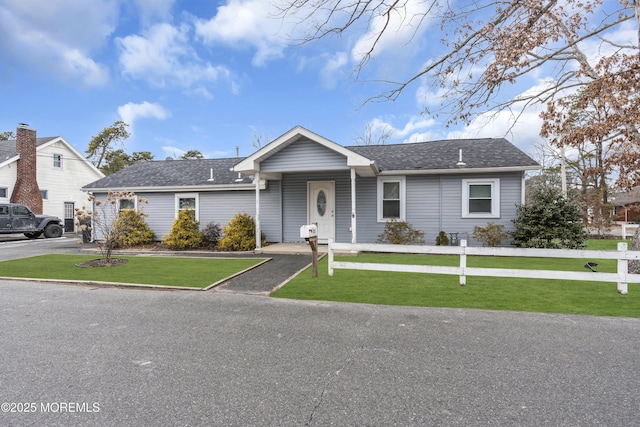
pixel 9 153
pixel 253 163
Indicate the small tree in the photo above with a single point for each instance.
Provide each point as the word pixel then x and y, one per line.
pixel 549 221
pixel 399 232
pixel 492 235
pixel 103 220
pixel 185 232
pixel 240 234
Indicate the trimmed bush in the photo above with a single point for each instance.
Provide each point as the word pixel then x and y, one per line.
pixel 211 234
pixel 240 234
pixel 131 229
pixel 400 233
pixel 492 235
pixel 442 239
pixel 185 231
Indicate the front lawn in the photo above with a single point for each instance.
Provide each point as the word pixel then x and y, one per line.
pixel 431 290
pixel 159 270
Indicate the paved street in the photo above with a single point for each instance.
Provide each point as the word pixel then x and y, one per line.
pixel 79 355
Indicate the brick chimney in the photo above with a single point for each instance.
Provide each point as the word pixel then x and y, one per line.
pixel 26 190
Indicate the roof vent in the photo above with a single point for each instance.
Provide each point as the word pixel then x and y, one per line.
pixel 211 178
pixel 239 178
pixel 460 163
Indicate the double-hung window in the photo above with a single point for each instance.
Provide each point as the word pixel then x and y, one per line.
pixel 480 198
pixel 391 198
pixel 57 161
pixel 187 201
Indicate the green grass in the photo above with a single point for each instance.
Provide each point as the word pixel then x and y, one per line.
pixel 161 271
pixel 431 290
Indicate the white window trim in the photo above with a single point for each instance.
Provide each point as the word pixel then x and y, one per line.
pixel 403 196
pixel 188 196
pixel 61 161
pixel 495 198
pixel 44 194
pixel 135 202
pixel 6 192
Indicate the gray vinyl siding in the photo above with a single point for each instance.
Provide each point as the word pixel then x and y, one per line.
pixel 160 212
pixel 367 226
pixel 452 220
pixel 423 205
pixel 216 206
pixel 304 155
pixel 294 203
pixel 434 203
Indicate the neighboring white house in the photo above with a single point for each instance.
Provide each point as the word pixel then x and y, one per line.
pixel 61 172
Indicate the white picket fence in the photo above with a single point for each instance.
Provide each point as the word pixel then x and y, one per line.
pixel 622 277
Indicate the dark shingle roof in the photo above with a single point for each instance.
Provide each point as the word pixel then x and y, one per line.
pixel 435 155
pixel 8 147
pixel 172 173
pixel 440 155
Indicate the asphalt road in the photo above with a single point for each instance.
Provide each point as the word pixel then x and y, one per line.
pixel 78 355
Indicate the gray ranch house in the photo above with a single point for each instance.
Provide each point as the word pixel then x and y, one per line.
pixel 349 192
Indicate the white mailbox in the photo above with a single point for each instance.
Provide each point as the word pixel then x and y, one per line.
pixel 309 230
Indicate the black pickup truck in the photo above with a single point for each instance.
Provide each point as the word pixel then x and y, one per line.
pixel 16 218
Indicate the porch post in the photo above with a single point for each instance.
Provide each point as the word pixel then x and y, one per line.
pixel 258 231
pixel 353 206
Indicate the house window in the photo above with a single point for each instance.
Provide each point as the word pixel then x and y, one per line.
pixel 391 198
pixel 480 198
pixel 126 204
pixel 3 192
pixel 57 161
pixel 187 201
pixel 44 194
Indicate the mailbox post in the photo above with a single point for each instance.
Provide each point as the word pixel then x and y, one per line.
pixel 309 233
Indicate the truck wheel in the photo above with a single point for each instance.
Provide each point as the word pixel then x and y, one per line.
pixel 52 230
pixel 33 235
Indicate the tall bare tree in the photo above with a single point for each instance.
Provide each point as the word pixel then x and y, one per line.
pixel 374 135
pixel 488 46
pixel 491 45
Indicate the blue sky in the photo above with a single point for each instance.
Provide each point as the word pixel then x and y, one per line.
pixel 209 76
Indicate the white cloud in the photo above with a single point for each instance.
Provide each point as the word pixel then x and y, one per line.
pixel 416 129
pixel 130 112
pixel 332 68
pixel 163 56
pixel 154 9
pixel 400 30
pixel 58 36
pixel 246 22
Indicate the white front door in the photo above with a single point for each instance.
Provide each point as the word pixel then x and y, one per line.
pixel 321 208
